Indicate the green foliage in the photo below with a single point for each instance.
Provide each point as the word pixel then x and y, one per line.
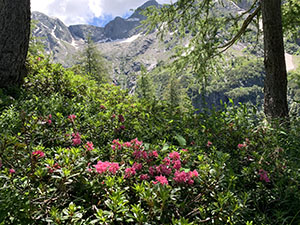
pixel 145 88
pixel 92 63
pixel 291 17
pixel 71 153
pixel 205 28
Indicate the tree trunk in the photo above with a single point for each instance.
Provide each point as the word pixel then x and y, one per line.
pixel 14 41
pixel 275 90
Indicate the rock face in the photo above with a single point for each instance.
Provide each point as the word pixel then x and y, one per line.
pixel 63 42
pixel 81 32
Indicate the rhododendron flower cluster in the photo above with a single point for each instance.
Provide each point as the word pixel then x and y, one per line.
pixel 241 146
pixel 116 144
pixel 174 155
pixel 209 143
pixel 76 139
pixel 51 169
pixel 38 154
pixel 146 166
pixel 72 118
pixel 163 169
pixel 11 171
pixel 137 144
pixel 263 175
pixel 89 146
pixel 121 118
pixel 161 179
pixel 129 172
pixel 185 177
pixel 102 167
pixel 49 121
pixel 144 177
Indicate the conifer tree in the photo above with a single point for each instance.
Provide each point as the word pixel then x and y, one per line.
pixel 92 62
pixel 145 89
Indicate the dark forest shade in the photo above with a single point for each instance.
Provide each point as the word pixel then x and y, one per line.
pixel 14 41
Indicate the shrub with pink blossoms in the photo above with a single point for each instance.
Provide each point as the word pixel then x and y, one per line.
pixel 161 179
pixel 102 167
pixel 38 154
pixel 129 172
pixel 174 155
pixel 72 118
pixel 241 146
pixel 89 146
pixel 76 139
pixel 263 175
pixel 185 177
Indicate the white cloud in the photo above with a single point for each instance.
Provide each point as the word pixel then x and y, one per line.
pixel 83 11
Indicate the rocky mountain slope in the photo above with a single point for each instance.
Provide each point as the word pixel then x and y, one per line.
pixel 63 42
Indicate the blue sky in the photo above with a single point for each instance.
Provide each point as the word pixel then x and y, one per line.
pixel 96 12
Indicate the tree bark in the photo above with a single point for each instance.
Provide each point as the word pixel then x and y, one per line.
pixel 14 41
pixel 275 88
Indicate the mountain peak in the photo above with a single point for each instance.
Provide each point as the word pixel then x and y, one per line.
pixel 149 3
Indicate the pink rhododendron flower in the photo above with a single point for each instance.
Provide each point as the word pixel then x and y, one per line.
pixel 38 153
pixel 144 155
pixel 50 116
pixel 137 154
pixel 162 179
pixel 166 161
pixel 11 171
pixel 89 146
pixel 144 177
pixel 121 118
pixel 127 144
pixel 209 143
pixel 76 139
pixel 136 142
pixel 113 168
pixel 151 171
pixel 49 122
pixel 137 166
pixel 153 154
pixel 113 147
pixel 53 168
pixel 129 172
pixel 263 175
pixel 177 165
pixel 72 117
pixel 240 146
pixel 174 155
pixel 194 173
pixel 117 143
pixel 163 169
pixel 101 167
pixel 181 177
pixel 184 150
